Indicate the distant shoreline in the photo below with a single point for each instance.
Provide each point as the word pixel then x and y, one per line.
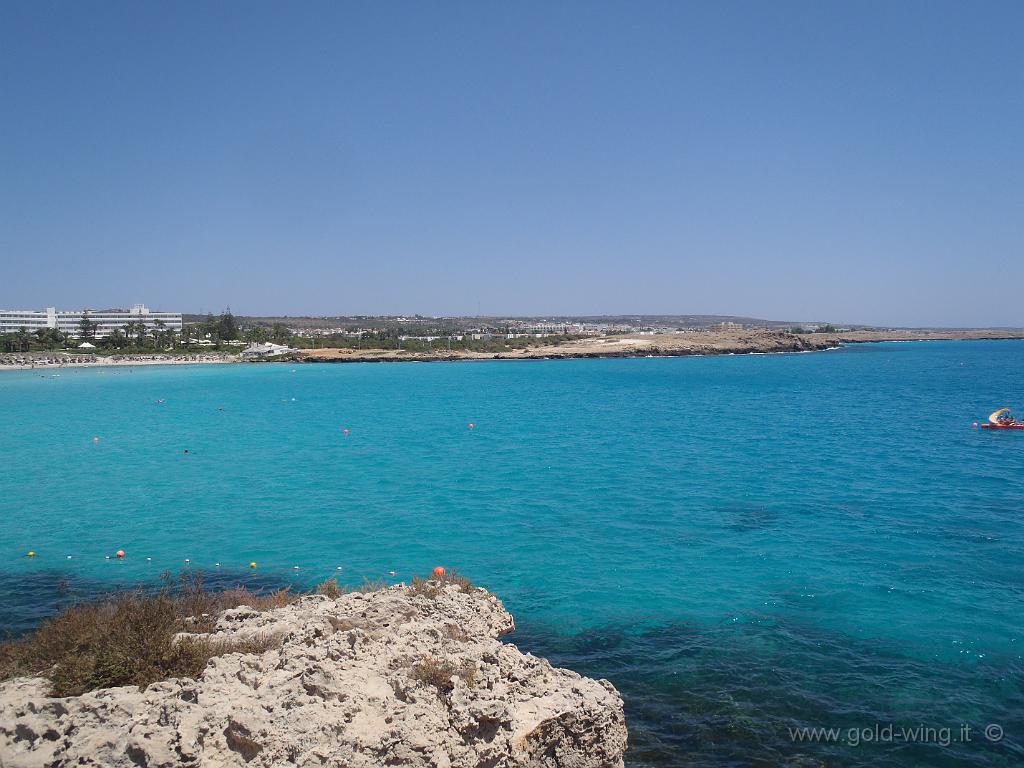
pixel 692 344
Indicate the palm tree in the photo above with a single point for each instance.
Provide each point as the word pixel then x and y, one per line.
pixel 282 334
pixel 160 334
pixel 256 334
pixel 130 329
pixel 117 339
pixel 23 340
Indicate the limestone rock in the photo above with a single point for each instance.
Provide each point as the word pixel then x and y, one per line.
pixel 394 677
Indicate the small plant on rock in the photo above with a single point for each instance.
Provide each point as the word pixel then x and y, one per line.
pixel 431 588
pixel 330 588
pixel 439 673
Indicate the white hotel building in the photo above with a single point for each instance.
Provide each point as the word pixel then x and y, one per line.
pixel 107 320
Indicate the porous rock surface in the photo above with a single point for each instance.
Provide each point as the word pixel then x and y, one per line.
pixel 347 686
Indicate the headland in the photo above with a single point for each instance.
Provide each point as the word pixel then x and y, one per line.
pixel 680 344
pixel 403 675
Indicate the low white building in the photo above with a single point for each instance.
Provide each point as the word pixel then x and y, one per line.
pixel 70 322
pixel 257 351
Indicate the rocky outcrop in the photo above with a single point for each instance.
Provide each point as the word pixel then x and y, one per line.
pixel 402 676
pixel 731 342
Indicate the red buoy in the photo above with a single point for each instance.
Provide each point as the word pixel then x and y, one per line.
pixel 472 425
pixel 439 572
pixel 120 554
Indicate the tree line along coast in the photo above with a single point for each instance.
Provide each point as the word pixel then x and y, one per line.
pixel 416 337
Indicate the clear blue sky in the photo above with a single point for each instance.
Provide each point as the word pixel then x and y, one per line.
pixel 851 161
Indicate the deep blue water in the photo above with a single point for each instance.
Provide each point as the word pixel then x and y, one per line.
pixel 743 545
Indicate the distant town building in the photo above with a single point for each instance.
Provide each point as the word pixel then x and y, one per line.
pixel 104 321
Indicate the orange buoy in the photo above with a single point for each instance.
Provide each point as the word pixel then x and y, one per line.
pixel 439 572
pixel 120 554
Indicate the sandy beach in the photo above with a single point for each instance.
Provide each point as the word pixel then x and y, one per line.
pixel 25 362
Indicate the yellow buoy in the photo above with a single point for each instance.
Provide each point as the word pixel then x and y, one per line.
pixel 31 554
pixel 252 564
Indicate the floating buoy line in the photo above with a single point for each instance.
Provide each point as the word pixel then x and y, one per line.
pixel 121 556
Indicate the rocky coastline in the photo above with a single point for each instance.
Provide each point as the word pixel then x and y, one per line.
pixel 405 675
pixel 660 345
pixel 682 344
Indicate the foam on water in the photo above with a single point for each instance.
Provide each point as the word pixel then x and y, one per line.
pixel 742 544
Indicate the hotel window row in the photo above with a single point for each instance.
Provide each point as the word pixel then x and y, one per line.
pixel 107 321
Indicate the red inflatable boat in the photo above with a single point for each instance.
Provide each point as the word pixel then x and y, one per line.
pixel 1001 419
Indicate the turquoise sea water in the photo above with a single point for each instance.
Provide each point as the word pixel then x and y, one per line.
pixel 743 545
